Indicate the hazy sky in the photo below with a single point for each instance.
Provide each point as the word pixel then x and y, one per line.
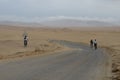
pixel 37 10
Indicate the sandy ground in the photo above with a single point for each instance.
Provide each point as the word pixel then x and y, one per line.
pixel 11 41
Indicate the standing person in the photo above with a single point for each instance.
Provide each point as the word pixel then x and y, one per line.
pixel 91 43
pixel 25 41
pixel 95 44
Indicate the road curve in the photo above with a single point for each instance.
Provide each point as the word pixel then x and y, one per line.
pixel 83 63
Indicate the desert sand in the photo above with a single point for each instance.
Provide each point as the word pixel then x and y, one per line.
pixel 11 41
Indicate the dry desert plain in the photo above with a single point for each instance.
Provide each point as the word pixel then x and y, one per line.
pixel 11 41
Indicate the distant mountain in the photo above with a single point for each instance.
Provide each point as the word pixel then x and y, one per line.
pixel 20 24
pixel 61 23
pixel 76 23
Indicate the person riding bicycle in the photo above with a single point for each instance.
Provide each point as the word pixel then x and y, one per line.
pixel 95 44
pixel 25 41
pixel 91 43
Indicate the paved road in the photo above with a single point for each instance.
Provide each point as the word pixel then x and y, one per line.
pixel 85 64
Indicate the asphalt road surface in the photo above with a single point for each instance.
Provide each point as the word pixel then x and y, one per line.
pixel 83 63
